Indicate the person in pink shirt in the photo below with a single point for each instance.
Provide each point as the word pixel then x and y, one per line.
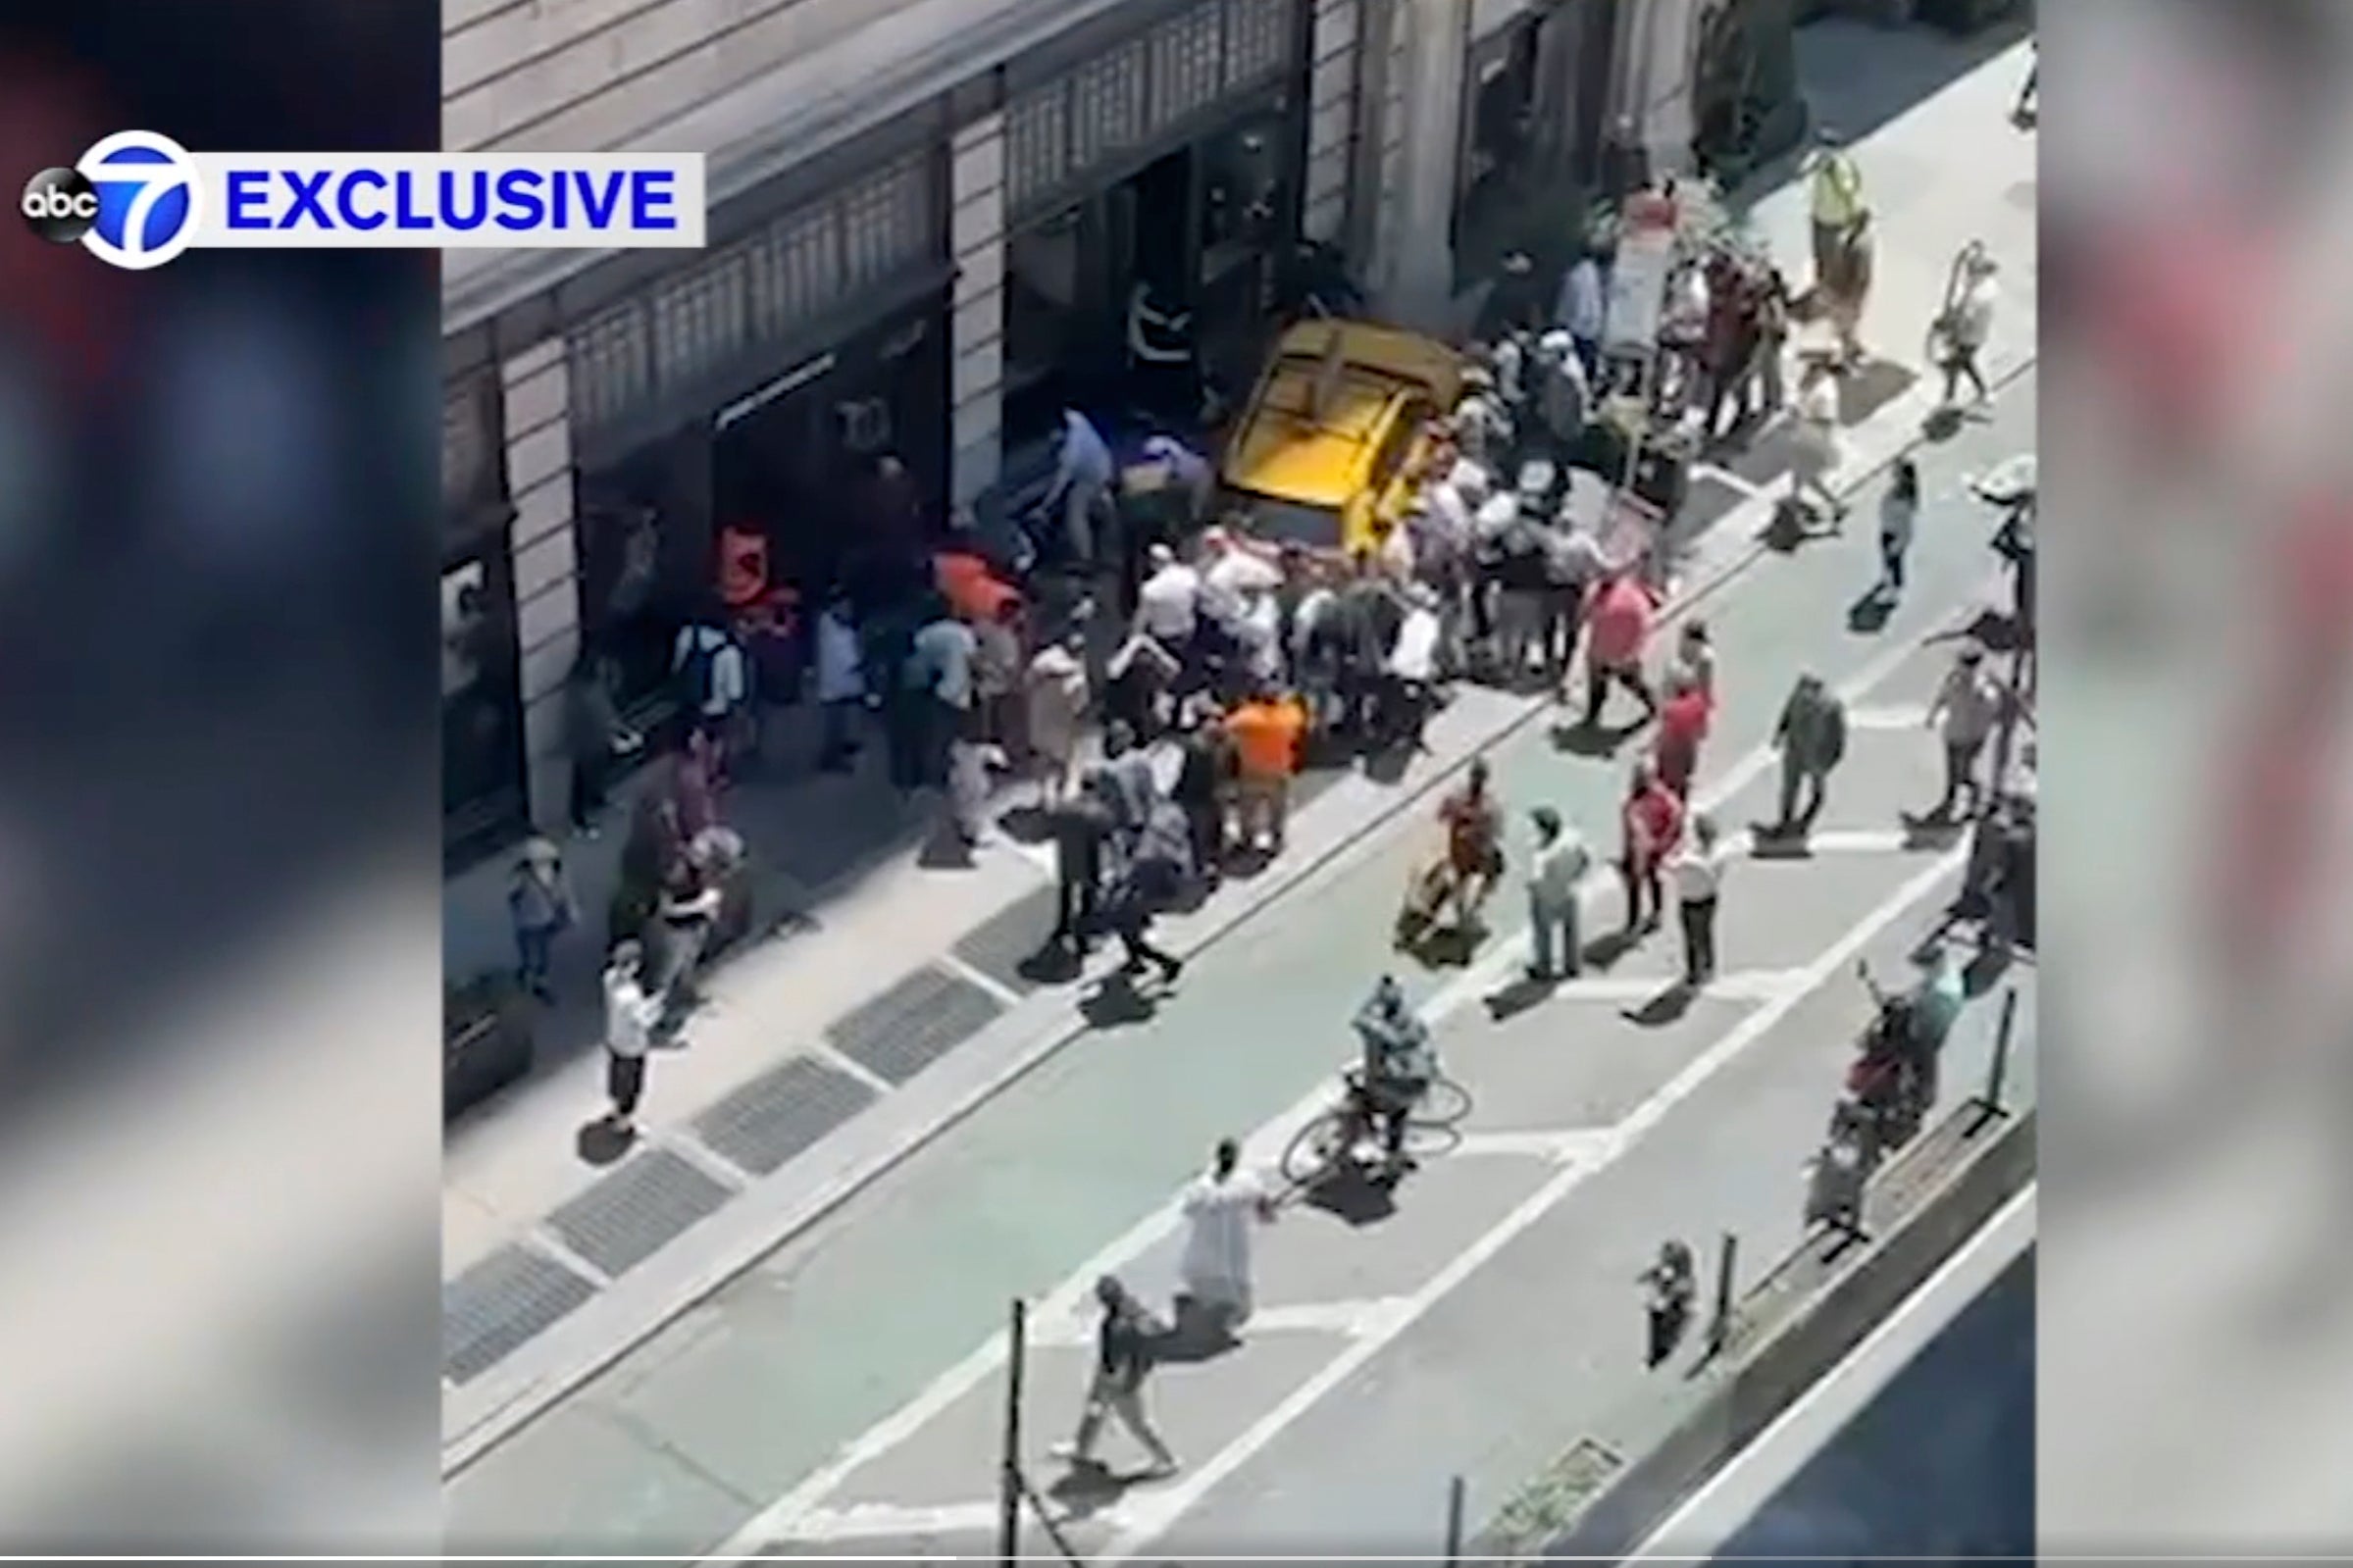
pixel 1682 727
pixel 1619 617
pixel 1652 821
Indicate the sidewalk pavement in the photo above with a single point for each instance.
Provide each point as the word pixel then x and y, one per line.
pixel 893 1006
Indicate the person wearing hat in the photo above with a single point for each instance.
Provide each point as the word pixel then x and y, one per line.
pixel 540 903
pixel 1967 707
pixel 630 1017
pixel 1966 328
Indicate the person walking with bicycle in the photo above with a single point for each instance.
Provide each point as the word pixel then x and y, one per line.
pixel 1399 1064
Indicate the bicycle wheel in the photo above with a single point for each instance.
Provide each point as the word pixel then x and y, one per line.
pixel 1447 1103
pixel 1316 1148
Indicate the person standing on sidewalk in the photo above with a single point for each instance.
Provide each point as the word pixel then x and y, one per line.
pixel 1123 1359
pixel 1054 690
pixel 841 683
pixel 1555 872
pixel 540 903
pixel 1899 515
pixel 689 909
pixel 595 737
pixel 1581 309
pixel 630 1017
pixel 1698 868
pixel 1618 636
pixel 1652 826
pixel 945 655
pixel 1214 1274
pixel 1670 1285
pixel 714 680
pixel 1203 772
pixel 1818 446
pixel 1812 736
pixel 1151 882
pixel 1967 707
pixel 1267 731
pixel 1965 331
pixel 1083 832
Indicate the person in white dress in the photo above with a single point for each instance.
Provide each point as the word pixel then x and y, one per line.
pixel 1214 1276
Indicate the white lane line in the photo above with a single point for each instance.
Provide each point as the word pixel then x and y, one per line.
pixel 1261 1150
pixel 1745 985
pixel 852 1066
pixel 1909 716
pixel 973 974
pixel 896 1522
pixel 1350 1319
pixel 1584 1146
pixel 1142 1519
pixel 1842 842
pixel 1719 1510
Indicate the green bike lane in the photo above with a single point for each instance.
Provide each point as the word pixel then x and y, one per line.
pixel 719 1424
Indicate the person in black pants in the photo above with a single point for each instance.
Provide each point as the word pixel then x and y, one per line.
pixel 1153 879
pixel 1204 771
pixel 1082 828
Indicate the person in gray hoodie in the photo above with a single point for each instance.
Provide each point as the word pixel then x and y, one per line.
pixel 1813 740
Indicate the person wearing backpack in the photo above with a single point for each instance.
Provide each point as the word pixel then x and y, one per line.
pixel 714 681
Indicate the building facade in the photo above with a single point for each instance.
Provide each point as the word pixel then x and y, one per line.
pixel 925 214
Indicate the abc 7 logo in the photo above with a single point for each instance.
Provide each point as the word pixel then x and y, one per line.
pixel 61 205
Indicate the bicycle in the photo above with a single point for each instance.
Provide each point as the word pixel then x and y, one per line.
pixel 1335 1134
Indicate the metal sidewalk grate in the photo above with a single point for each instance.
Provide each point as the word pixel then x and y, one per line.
pixel 501 1302
pixel 1002 946
pixel 637 1210
pixel 914 1024
pixel 776 1116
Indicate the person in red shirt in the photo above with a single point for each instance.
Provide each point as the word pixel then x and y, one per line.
pixel 1474 843
pixel 1682 726
pixel 1652 821
pixel 1619 618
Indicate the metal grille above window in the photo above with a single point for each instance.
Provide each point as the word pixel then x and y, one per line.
pixel 611 364
pixel 469 441
pixel 1108 105
pixel 1036 144
pixel 796 270
pixel 1257 40
pixel 1186 64
pixel 886 222
pixel 702 319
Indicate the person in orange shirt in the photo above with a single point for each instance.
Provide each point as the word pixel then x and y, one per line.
pixel 1267 728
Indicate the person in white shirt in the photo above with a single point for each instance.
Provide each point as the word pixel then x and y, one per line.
pixel 1214 1273
pixel 710 664
pixel 1239 572
pixel 1554 870
pixel 1190 472
pixel 1817 448
pixel 1968 706
pixel 1899 515
pixel 1967 326
pixel 1580 310
pixel 841 683
pixel 630 1016
pixel 1168 604
pixel 1697 867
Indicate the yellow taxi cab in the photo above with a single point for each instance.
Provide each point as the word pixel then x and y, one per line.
pixel 1325 453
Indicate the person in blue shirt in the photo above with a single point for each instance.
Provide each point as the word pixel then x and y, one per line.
pixel 1400 1063
pixel 1084 473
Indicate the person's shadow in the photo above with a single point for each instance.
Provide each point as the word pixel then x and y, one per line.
pixel 1118 1001
pixel 602 1143
pixel 1668 1007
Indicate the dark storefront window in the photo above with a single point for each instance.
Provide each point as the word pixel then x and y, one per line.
pixel 1498 148
pixel 482 789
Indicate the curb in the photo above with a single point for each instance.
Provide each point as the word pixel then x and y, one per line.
pixel 533 1398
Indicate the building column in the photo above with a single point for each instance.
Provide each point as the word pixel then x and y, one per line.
pixel 1331 120
pixel 1418 277
pixel 1656 59
pixel 977 324
pixel 537 386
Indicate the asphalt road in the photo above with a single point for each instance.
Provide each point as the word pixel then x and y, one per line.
pixel 845 1393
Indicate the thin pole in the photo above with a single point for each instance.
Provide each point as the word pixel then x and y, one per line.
pixel 1720 1332
pixel 1989 1106
pixel 1010 1480
pixel 1453 1521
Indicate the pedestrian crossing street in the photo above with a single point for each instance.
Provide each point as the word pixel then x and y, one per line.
pixel 1567 1083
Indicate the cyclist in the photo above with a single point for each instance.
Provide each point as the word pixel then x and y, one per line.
pixel 1400 1063
pixel 1927 1012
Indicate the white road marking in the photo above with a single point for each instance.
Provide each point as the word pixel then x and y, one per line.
pixel 1701 1527
pixel 1745 985
pixel 1729 480
pixel 896 1522
pixel 965 970
pixel 1910 715
pixel 1352 1318
pixel 852 1066
pixel 1261 1150
pixel 1142 1519
pixel 1584 1146
pixel 1848 841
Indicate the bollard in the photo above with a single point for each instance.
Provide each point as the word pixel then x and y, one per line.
pixel 1720 1331
pixel 1009 1482
pixel 1455 1491
pixel 1986 1106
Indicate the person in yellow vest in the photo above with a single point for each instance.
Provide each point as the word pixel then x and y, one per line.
pixel 1838 205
